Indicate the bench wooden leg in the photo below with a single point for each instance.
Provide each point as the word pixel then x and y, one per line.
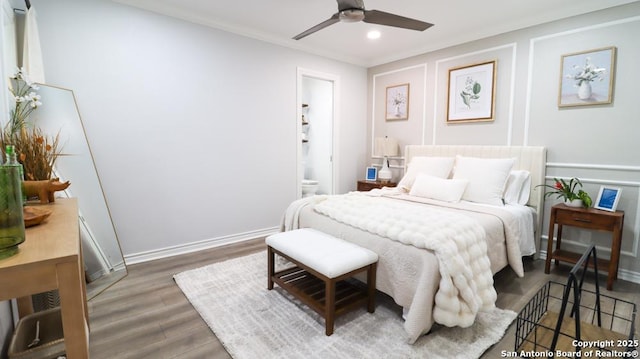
pixel 270 267
pixel 351 296
pixel 329 306
pixel 371 288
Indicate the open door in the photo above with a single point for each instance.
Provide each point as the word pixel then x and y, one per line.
pixel 316 127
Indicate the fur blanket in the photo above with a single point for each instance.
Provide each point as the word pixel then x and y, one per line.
pixel 466 284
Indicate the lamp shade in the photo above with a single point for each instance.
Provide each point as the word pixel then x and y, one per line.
pixel 385 146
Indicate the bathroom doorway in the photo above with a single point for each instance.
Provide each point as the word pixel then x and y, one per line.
pixel 316 128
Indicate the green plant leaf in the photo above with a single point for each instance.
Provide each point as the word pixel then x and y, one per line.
pixel 586 199
pixel 476 88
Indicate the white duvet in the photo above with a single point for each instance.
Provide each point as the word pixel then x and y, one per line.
pixel 411 275
pixel 466 281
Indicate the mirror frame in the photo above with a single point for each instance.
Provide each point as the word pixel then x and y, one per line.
pixel 117 271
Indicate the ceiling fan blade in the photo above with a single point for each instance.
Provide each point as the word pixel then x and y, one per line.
pixel 385 18
pixel 335 18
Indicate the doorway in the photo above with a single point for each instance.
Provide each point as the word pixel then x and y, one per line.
pixel 316 128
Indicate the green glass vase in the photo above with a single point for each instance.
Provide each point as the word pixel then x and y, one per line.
pixel 11 213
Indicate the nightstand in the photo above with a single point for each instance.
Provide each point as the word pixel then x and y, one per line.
pixel 587 218
pixel 369 185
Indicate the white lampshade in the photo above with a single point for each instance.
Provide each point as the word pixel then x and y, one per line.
pixel 385 146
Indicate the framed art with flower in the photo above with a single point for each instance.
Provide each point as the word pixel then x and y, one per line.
pixel 586 78
pixel 397 102
pixel 472 93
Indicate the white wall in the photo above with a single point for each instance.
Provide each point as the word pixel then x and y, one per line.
pixel 598 144
pixel 193 130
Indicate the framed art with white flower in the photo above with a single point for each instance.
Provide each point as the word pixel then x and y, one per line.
pixel 472 92
pixel 586 78
pixel 397 102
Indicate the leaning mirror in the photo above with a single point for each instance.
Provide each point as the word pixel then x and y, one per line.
pixel 59 114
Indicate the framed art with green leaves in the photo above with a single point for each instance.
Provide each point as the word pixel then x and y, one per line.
pixel 471 95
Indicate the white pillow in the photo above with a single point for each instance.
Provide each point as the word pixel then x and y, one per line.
pixel 448 190
pixel 487 178
pixel 434 166
pixel 518 187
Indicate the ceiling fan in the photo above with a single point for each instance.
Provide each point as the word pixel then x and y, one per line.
pixel 353 11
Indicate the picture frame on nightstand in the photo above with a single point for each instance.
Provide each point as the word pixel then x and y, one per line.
pixel 608 198
pixel 372 174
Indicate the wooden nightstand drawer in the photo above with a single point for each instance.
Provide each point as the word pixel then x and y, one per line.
pixel 585 220
pixel 369 185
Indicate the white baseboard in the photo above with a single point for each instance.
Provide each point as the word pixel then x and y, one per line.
pixel 629 275
pixel 196 246
pixel 97 274
pixel 623 274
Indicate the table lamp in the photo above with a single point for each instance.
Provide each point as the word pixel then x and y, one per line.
pixel 385 147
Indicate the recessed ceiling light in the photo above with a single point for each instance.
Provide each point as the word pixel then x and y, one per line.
pixel 373 34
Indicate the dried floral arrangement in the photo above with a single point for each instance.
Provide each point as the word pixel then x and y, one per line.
pixel 36 151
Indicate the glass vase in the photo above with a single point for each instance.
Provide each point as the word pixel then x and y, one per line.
pixel 11 212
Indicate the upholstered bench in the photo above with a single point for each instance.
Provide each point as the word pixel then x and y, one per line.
pixel 322 266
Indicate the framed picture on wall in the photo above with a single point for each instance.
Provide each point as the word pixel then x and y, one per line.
pixel 472 93
pixel 608 198
pixel 586 78
pixel 397 102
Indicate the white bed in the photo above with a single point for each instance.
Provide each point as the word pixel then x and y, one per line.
pixel 410 273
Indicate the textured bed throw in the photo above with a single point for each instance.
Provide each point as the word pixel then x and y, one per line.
pixel 466 284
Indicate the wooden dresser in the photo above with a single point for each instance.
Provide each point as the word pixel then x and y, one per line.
pixel 51 258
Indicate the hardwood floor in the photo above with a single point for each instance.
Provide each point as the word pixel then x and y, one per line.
pixel 145 315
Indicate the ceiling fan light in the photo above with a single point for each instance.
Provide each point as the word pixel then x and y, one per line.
pixel 373 34
pixel 352 15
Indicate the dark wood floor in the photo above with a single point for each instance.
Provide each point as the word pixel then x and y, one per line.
pixel 146 315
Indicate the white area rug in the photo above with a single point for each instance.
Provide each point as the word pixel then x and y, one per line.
pixel 253 322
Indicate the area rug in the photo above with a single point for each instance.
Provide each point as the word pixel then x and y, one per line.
pixel 253 322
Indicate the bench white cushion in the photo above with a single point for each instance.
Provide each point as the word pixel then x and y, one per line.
pixel 326 254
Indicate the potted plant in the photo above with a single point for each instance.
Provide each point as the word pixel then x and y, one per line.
pixel 571 192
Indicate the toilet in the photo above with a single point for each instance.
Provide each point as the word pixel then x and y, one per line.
pixel 309 187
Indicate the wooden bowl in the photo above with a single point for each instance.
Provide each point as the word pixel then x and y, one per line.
pixel 35 215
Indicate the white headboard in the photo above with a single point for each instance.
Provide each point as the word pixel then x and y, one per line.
pixel 530 158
